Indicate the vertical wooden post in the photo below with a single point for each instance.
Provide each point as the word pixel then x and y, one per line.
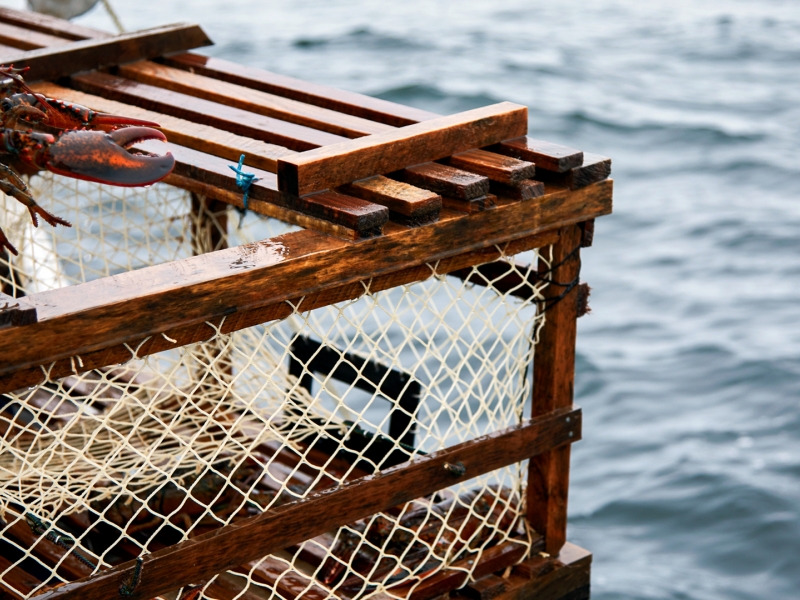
pixel 553 379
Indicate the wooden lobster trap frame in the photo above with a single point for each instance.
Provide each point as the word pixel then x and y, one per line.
pixel 462 192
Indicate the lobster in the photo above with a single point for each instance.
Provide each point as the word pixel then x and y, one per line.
pixel 40 133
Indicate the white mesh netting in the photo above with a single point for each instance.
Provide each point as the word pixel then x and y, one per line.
pixel 104 466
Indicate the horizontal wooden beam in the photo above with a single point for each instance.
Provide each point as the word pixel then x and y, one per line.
pixel 85 55
pixel 342 163
pixel 33 21
pixel 246 284
pixel 227 548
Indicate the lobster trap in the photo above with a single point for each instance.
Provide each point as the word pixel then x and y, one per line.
pixel 348 375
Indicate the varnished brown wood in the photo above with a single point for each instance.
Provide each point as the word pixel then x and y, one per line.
pixel 184 335
pixel 227 118
pixel 408 204
pixel 350 103
pixel 245 98
pixel 17 579
pixel 553 380
pixel 342 163
pixel 503 169
pixel 33 21
pixel 485 588
pixel 72 57
pixel 18 38
pixel 445 180
pixel 527 189
pixel 228 547
pixel 546 155
pixel 470 206
pixel 595 168
pixel 364 217
pixel 85 318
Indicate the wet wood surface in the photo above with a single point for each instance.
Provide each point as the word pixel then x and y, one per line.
pixel 83 55
pixel 527 189
pixel 342 163
pixel 445 180
pixel 226 548
pixel 86 318
pixel 503 169
pixel 33 21
pixel 554 376
pixel 405 200
pixel 546 155
pixel 18 38
pixel 594 168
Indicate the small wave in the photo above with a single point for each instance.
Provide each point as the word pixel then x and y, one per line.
pixel 364 38
pixel 434 98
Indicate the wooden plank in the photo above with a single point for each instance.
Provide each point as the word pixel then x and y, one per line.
pixel 445 180
pixel 549 156
pixel 409 204
pixel 506 278
pixel 553 379
pixel 183 335
pixel 546 155
pixel 381 153
pixel 503 169
pixel 226 548
pixel 33 21
pixel 366 107
pixel 251 100
pixel 470 206
pixel 363 218
pixel 527 189
pixel 595 168
pixel 203 138
pixel 18 38
pixel 227 118
pixel 184 294
pixel 70 58
pixel 15 578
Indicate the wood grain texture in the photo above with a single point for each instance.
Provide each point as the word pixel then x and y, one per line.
pixel 594 168
pixel 228 547
pixel 503 169
pixel 70 58
pixel 553 381
pixel 470 206
pixel 367 107
pixel 408 204
pixel 527 189
pixel 203 138
pixel 506 278
pixel 205 112
pixel 33 21
pixel 15 312
pixel 19 38
pixel 445 180
pixel 381 153
pixel 546 155
pixel 250 284
pixel 263 103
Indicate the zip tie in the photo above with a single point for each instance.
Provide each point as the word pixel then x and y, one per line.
pixel 243 180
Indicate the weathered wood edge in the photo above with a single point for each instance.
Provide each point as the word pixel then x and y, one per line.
pixel 62 61
pixel 337 164
pixel 88 317
pixel 228 547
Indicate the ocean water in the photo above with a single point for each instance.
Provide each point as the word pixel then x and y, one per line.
pixel 687 482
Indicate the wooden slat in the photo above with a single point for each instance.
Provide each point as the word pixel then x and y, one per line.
pixel 250 285
pixel 15 578
pixel 527 189
pixel 381 153
pixel 251 100
pixel 22 39
pixel 33 21
pixel 501 276
pixel 470 206
pixel 15 312
pixel 546 155
pixel 409 204
pixel 553 380
pixel 227 118
pixel 550 157
pixel 70 58
pixel 594 168
pixel 199 558
pixel 203 138
pixel 503 169
pixel 363 219
pixel 445 180
pixel 349 103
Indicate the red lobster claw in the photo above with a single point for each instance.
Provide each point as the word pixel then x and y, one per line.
pixel 104 158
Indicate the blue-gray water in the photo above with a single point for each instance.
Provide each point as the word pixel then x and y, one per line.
pixel 687 483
